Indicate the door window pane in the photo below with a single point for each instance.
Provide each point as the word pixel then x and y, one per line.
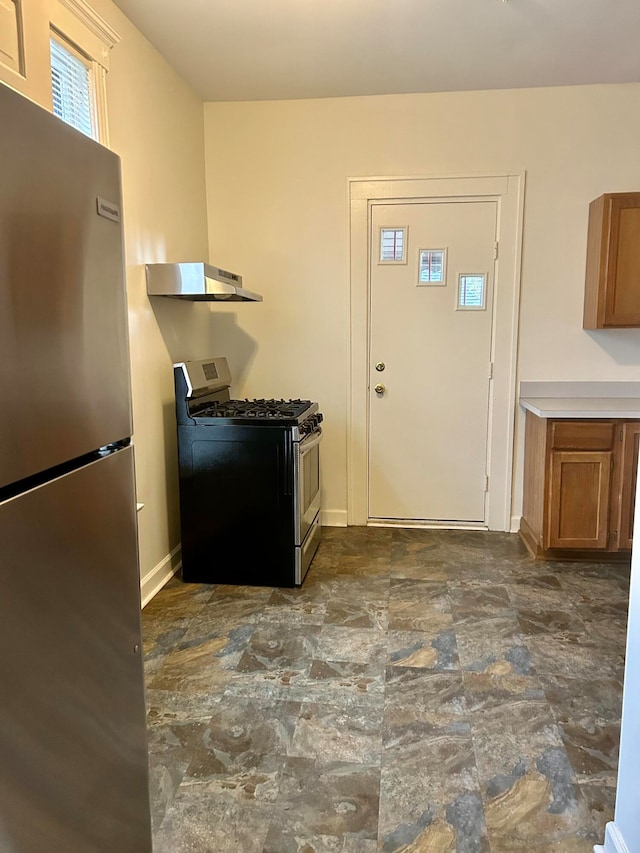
pixel 433 266
pixel 472 291
pixel 392 245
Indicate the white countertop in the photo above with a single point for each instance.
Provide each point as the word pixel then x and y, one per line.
pixel 581 399
pixel 582 407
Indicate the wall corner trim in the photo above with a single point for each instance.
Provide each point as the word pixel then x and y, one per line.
pixel 515 523
pixel 613 841
pixel 153 581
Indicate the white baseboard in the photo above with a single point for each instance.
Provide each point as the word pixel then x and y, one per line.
pixel 153 581
pixel 515 523
pixel 410 524
pixel 333 517
pixel 613 841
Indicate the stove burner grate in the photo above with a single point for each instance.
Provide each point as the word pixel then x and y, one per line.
pixel 259 409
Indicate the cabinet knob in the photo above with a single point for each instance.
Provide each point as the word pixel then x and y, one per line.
pixel 380 366
pixel 379 389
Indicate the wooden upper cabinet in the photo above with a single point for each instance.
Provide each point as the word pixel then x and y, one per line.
pixel 612 286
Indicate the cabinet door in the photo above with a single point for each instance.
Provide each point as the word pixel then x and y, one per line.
pixel 626 498
pixel 612 291
pixel 622 305
pixel 579 494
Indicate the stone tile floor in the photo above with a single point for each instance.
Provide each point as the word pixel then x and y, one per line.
pixel 423 691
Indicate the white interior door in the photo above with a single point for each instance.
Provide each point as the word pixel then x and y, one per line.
pixel 432 272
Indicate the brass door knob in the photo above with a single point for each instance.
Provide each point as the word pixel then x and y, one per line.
pixel 380 389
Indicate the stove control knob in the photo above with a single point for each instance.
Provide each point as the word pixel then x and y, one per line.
pixel 379 389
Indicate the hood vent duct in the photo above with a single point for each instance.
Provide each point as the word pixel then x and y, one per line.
pixel 198 282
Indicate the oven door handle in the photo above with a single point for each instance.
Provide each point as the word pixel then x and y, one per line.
pixel 311 441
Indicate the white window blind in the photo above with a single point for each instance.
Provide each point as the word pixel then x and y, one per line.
pixel 472 291
pixel 72 89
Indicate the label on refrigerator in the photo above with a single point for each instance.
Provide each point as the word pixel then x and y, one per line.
pixel 108 209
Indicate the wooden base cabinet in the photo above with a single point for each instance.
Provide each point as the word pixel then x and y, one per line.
pixel 579 487
pixel 625 484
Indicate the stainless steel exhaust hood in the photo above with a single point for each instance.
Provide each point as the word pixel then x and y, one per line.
pixel 198 282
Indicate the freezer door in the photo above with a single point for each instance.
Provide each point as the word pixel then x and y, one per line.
pixel 73 747
pixel 64 364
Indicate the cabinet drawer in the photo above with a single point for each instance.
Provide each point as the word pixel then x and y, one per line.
pixel 582 435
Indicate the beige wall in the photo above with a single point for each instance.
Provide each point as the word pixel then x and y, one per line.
pixel 156 126
pixel 278 213
pixel 277 210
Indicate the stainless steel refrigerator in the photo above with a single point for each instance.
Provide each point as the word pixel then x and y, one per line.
pixel 73 745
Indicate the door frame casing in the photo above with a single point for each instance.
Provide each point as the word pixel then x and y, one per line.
pixel 508 190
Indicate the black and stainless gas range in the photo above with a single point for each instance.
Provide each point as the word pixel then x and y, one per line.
pixel 249 481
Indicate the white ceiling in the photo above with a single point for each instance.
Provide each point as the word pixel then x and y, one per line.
pixel 265 49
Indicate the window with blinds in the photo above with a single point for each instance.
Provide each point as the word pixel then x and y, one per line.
pixel 472 292
pixel 72 83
